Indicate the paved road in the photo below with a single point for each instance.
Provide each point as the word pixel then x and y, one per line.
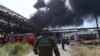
pixel 62 52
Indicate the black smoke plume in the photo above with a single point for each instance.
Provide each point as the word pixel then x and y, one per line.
pixel 85 7
pixel 57 14
pixel 39 4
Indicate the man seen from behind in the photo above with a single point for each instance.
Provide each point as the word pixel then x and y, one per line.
pixel 45 45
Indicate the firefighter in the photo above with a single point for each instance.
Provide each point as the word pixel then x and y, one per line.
pixel 45 45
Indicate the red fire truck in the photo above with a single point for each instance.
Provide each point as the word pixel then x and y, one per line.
pixel 30 38
pixel 26 38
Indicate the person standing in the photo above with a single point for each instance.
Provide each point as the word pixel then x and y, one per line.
pixel 63 43
pixel 45 45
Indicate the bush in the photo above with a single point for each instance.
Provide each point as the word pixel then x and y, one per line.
pixel 15 49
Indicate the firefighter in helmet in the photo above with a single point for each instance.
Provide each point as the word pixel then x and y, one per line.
pixel 45 45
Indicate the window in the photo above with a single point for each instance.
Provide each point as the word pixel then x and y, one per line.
pixel 87 36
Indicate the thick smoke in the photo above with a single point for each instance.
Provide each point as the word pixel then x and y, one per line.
pixel 57 14
pixel 39 4
pixel 85 7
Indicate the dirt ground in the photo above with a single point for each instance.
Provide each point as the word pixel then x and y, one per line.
pixel 62 52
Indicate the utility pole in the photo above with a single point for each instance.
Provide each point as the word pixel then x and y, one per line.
pixel 96 18
pixel 97 25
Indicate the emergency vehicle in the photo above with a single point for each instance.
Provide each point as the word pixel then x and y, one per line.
pixel 84 37
pixel 21 38
pixel 26 38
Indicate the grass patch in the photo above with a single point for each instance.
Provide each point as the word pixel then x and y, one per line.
pixel 84 50
pixel 15 49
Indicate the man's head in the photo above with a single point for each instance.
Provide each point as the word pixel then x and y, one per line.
pixel 45 31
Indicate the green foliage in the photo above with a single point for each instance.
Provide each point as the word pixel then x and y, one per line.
pixel 15 49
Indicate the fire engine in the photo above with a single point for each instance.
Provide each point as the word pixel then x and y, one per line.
pixel 26 38
pixel 21 38
pixel 84 37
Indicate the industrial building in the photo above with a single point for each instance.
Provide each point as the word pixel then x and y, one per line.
pixel 11 21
